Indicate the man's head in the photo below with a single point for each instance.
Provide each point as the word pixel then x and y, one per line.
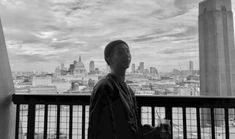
pixel 117 54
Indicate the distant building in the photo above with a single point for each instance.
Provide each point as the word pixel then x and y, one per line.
pixel 60 70
pixel 62 67
pixel 57 71
pixel 133 68
pixel 91 83
pixel 191 67
pixel 92 67
pixel 146 71
pixel 77 67
pixel 23 85
pixel 41 81
pixel 77 86
pixel 43 90
pixel 97 71
pixel 61 85
pixel 153 71
pixel 141 67
pixel 176 72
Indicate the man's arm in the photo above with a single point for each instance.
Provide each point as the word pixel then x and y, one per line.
pixel 147 131
pixel 100 120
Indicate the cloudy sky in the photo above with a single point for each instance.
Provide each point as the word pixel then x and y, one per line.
pixel 41 34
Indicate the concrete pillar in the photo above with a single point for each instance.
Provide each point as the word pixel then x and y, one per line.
pixel 7 109
pixel 216 50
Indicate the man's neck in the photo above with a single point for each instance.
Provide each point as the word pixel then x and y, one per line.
pixel 120 75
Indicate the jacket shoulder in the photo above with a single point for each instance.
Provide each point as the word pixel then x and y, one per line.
pixel 104 82
pixel 105 86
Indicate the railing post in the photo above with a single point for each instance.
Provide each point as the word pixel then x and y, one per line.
pixel 198 123
pixel 168 114
pixel 184 123
pixel 31 121
pixel 45 121
pixel 83 121
pixel 226 123
pixel 153 115
pixel 70 121
pixel 212 123
pixel 58 122
pixel 17 121
pixel 139 113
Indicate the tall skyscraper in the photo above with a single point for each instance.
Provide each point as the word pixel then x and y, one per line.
pixel 62 67
pixel 191 67
pixel 92 67
pixel 216 48
pixel 133 68
pixel 153 71
pixel 141 67
pixel 217 52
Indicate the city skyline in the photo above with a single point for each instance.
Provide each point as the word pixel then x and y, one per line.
pixel 163 35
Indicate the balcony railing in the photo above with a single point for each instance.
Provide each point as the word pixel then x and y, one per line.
pixel 66 116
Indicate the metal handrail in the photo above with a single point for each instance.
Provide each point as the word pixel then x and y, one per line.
pixel 168 102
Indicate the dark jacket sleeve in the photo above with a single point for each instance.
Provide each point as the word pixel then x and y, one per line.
pixel 100 114
pixel 146 131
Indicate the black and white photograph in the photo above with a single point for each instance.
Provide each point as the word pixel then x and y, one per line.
pixel 117 69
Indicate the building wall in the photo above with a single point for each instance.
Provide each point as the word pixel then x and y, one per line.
pixel 92 67
pixel 7 109
pixel 42 81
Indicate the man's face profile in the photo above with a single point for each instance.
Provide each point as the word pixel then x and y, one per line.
pixel 120 57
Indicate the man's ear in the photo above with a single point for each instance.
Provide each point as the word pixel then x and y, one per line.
pixel 108 60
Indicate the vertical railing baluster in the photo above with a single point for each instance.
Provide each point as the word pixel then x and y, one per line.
pixel 58 122
pixel 139 113
pixel 198 123
pixel 212 123
pixel 168 115
pixel 45 121
pixel 31 121
pixel 184 123
pixel 153 115
pixel 70 121
pixel 17 121
pixel 83 120
pixel 226 123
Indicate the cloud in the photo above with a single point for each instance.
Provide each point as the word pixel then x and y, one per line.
pixel 59 31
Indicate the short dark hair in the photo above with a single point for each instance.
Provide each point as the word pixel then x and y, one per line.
pixel 108 51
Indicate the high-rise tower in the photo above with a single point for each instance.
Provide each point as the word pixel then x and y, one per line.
pixel 92 67
pixel 141 66
pixel 217 53
pixel 191 67
pixel 216 48
pixel 133 68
